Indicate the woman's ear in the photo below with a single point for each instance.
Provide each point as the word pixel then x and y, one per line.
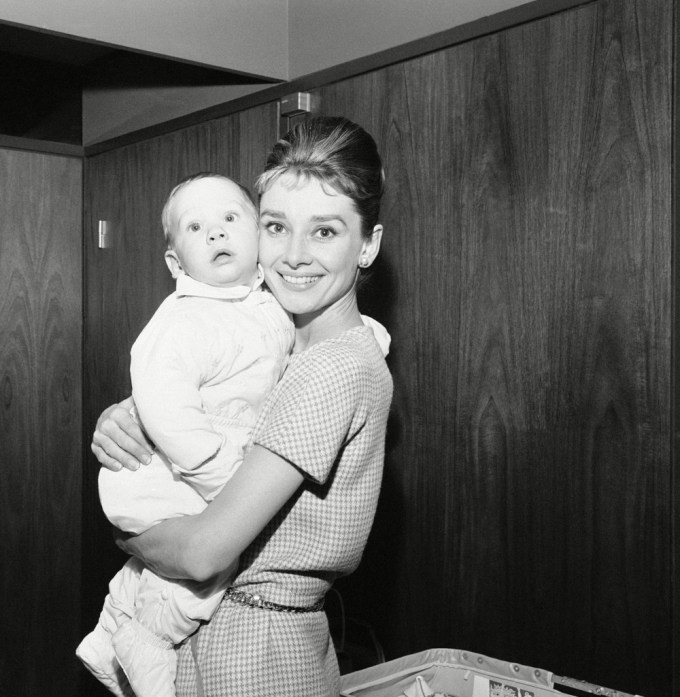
pixel 173 262
pixel 371 247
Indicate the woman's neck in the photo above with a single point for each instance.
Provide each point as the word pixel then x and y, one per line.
pixel 325 324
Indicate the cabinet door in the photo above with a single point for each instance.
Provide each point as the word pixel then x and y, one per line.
pixel 241 142
pixel 125 283
pixel 525 278
pixel 40 421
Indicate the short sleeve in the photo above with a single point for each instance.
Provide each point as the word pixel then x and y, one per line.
pixel 312 419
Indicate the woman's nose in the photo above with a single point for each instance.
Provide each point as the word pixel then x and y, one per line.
pixel 296 252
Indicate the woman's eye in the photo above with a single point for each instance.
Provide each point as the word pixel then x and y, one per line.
pixel 276 228
pixel 325 233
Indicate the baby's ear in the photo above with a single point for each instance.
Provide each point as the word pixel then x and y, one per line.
pixel 173 262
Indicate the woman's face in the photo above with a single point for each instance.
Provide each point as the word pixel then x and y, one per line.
pixel 310 244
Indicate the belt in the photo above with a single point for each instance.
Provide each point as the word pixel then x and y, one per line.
pixel 243 598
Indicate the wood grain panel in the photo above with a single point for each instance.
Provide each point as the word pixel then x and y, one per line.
pixel 40 421
pixel 242 141
pixel 526 282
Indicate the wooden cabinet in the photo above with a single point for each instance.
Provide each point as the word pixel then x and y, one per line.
pixel 40 421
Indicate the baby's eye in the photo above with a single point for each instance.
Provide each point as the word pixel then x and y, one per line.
pixel 195 227
pixel 230 218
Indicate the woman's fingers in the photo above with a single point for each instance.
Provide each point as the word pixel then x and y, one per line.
pixel 118 441
pixel 114 457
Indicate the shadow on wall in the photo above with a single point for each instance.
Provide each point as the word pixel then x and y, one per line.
pixel 359 611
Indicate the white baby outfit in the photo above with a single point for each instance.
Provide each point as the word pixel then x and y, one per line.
pixel 201 371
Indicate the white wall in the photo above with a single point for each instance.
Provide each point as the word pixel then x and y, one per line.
pixel 323 33
pixel 249 36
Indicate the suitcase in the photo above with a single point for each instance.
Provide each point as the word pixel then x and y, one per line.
pixel 459 673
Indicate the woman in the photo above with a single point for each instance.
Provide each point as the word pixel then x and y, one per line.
pixel 299 509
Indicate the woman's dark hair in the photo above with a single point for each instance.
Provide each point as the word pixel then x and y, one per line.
pixel 336 152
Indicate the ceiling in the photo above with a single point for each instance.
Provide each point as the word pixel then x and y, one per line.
pixel 43 77
pixel 29 43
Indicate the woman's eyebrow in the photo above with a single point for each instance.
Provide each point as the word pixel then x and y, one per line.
pixel 272 213
pixel 328 218
pixel 316 219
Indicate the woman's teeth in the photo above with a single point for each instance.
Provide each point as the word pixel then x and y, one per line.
pixel 300 280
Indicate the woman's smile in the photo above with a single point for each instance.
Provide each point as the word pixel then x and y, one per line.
pixel 300 281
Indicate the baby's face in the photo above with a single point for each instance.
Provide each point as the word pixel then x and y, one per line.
pixel 214 233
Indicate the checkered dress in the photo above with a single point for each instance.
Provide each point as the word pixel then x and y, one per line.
pixel 327 416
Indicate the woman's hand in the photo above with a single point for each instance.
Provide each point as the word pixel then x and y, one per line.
pixel 118 440
pixel 157 547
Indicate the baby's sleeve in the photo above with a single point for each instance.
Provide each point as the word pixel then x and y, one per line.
pixel 167 368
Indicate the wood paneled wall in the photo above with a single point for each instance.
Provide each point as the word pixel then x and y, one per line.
pixel 526 283
pixel 40 421
pixel 526 280
pixel 125 283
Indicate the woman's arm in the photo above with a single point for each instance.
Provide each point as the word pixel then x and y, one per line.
pixel 118 441
pixel 198 547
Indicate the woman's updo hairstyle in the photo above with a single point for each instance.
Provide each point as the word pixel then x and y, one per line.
pixel 337 153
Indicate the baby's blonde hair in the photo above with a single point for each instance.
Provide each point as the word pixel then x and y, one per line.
pixel 165 214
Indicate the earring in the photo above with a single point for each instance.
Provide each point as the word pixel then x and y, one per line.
pixel 363 262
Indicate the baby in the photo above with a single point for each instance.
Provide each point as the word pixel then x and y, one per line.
pixel 201 370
